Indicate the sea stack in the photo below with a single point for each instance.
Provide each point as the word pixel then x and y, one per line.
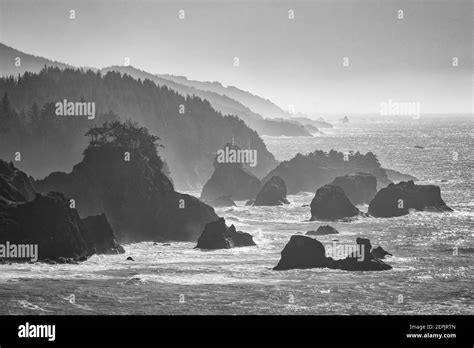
pixel 398 199
pixel 331 203
pixel 217 235
pixel 272 193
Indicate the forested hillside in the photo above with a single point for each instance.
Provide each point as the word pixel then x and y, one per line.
pixel 190 129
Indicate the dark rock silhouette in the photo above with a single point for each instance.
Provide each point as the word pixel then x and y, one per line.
pixel 304 173
pixel 100 235
pixel 322 230
pixel 366 261
pixel 222 201
pixel 331 203
pixel 137 197
pixel 49 222
pixel 359 187
pixel 217 235
pixel 397 199
pixel 231 180
pixel 272 193
pixel 380 253
pixel 303 252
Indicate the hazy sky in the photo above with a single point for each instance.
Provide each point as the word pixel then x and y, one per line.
pixel 297 62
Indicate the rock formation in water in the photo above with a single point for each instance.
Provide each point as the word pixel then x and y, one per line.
pixel 322 231
pixel 304 173
pixel 100 236
pixel 359 187
pixel 380 253
pixel 272 193
pixel 303 252
pixel 121 175
pixel 230 178
pixel 217 235
pixel 48 221
pixel 398 199
pixel 330 203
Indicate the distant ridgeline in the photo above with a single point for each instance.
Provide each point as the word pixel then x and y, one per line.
pixel 190 129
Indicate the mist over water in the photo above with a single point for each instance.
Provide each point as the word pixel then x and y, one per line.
pixel 430 279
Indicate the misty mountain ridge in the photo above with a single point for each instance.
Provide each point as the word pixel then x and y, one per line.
pixel 220 102
pixel 191 138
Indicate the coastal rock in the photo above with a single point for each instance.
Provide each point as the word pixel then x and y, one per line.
pixel 137 197
pixel 305 252
pixel 397 199
pixel 331 203
pixel 304 173
pixel 230 180
pixel 359 187
pixel 363 261
pixel 272 193
pixel 302 252
pixel 322 231
pixel 217 235
pixel 380 253
pixel 100 236
pixel 48 222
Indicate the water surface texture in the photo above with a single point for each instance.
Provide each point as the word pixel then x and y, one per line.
pixel 428 277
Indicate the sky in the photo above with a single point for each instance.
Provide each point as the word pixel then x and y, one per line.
pixel 296 62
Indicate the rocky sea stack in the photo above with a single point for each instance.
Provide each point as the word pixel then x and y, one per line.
pixel 398 199
pixel 304 173
pixel 331 203
pixel 49 222
pixel 359 187
pixel 100 236
pixel 303 252
pixel 122 176
pixel 217 235
pixel 230 179
pixel 272 193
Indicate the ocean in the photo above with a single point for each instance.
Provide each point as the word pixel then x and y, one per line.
pixel 432 260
